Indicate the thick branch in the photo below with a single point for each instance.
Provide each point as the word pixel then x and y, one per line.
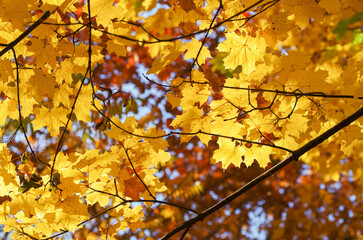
pixel 294 156
pixel 26 33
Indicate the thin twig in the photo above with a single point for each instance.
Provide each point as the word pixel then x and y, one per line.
pixel 137 175
pixel 60 142
pixel 21 125
pixel 188 134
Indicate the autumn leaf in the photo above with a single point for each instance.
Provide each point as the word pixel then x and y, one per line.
pixel 7 171
pixel 51 119
pixel 192 49
pixel 242 50
pixel 128 119
pixel 69 212
pixel 228 153
pixel 44 85
pixel 133 187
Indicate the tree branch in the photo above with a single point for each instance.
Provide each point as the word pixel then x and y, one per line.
pixel 26 33
pixel 293 156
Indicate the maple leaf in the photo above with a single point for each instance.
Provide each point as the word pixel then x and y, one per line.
pixel 47 56
pixel 351 139
pixel 228 153
pixel 255 55
pixel 330 6
pixel 122 133
pixel 93 197
pixel 61 4
pixel 189 116
pixel 259 154
pixel 69 212
pixel 6 70
pixel 44 84
pixel 5 106
pixel 242 50
pixel 278 28
pixel 105 11
pixel 192 49
pixel 115 46
pixel 12 10
pixel 228 128
pixel 311 81
pixel 169 54
pixel 51 119
pixel 194 95
pixel 304 10
pixel 84 103
pixel 133 187
pixel 62 96
pixel 7 171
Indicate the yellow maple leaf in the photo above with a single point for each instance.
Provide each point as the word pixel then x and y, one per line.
pixel 18 12
pixel 93 197
pixel 170 53
pixel 242 50
pixel 133 216
pixel 6 70
pixel 51 119
pixel 130 125
pixel 304 10
pixel 331 6
pixel 105 11
pixel 351 139
pixel 63 72
pixel 258 153
pixel 192 49
pixel 194 95
pixel 79 54
pixel 188 120
pixel 7 171
pixel 43 85
pixel 70 212
pixel 159 158
pixel 228 128
pixel 228 153
pixel 45 53
pixel 117 47
pixel 62 95
pixel 310 80
pixel 5 106
pixel 178 15
pixel 61 4
pixel 276 29
pixel 84 104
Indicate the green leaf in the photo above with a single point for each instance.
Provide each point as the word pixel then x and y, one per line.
pixel 34 182
pixel 343 24
pixel 358 37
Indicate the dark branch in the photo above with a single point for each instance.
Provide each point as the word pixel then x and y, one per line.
pixel 294 156
pixel 137 175
pixel 26 33
pixel 21 125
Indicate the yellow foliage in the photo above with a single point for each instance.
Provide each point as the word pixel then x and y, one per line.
pixel 282 72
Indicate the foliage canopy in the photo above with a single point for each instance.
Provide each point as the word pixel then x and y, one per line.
pixel 130 117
